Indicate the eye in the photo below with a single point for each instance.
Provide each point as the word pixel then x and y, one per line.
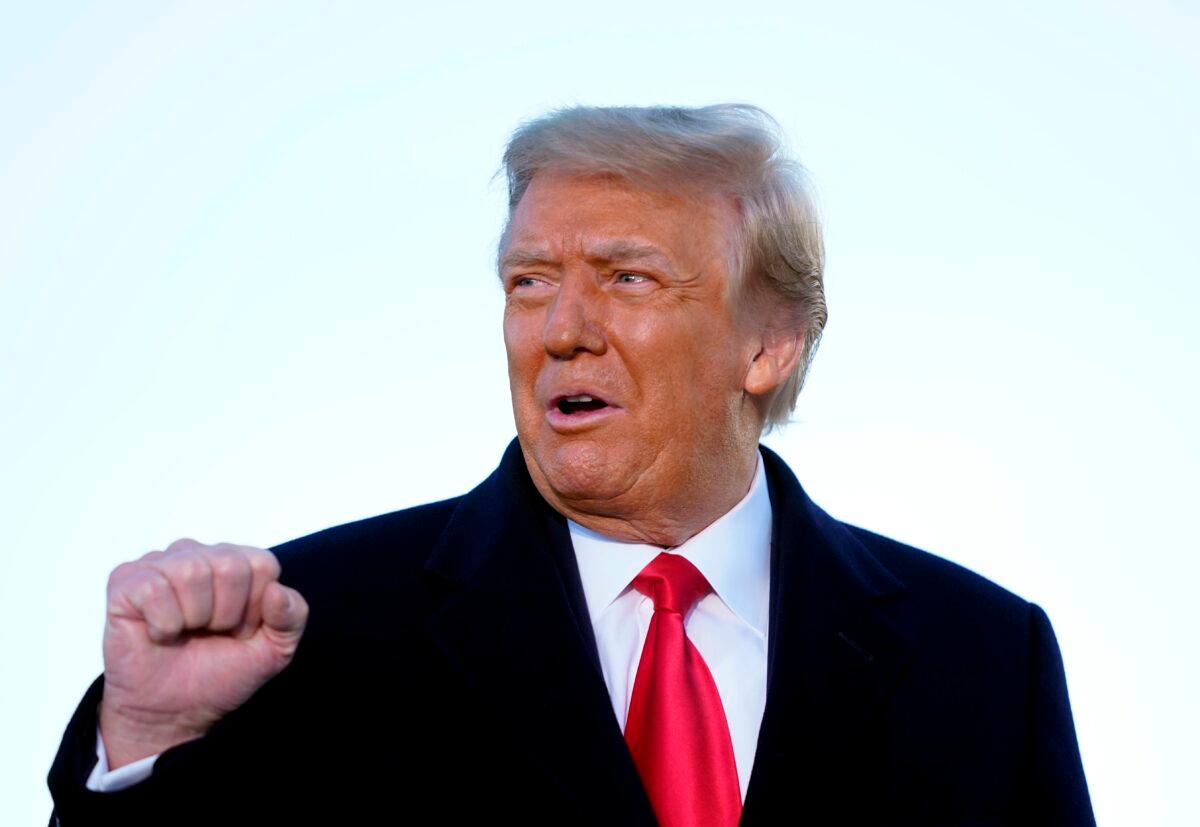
pixel 630 278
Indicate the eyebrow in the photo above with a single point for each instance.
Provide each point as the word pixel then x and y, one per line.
pixel 527 258
pixel 620 250
pixel 604 251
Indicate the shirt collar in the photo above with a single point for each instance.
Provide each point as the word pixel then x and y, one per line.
pixel 733 553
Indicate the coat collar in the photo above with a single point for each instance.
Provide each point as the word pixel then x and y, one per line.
pixel 517 627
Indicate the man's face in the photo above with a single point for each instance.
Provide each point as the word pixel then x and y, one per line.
pixel 625 365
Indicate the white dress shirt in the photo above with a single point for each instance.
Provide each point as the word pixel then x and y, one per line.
pixel 728 626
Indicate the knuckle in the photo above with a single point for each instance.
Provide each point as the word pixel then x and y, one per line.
pixel 192 568
pixel 264 562
pixel 150 588
pixel 183 543
pixel 229 565
pixel 121 573
pixel 126 579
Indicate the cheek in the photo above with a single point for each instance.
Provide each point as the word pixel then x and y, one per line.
pixel 695 355
pixel 705 379
pixel 521 346
pixel 525 352
pixel 680 383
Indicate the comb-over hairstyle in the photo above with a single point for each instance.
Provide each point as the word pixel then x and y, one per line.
pixel 735 150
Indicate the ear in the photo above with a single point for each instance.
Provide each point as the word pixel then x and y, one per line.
pixel 776 358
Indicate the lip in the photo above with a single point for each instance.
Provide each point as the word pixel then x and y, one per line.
pixel 568 423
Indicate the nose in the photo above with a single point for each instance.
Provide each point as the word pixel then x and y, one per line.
pixel 573 320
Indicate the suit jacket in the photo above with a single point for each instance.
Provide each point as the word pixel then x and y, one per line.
pixel 449 675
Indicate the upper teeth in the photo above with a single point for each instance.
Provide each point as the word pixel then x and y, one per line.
pixel 579 399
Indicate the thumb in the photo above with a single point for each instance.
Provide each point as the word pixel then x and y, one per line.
pixel 284 612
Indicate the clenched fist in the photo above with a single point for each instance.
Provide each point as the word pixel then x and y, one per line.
pixel 191 633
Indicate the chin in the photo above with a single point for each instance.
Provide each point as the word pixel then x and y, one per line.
pixel 579 468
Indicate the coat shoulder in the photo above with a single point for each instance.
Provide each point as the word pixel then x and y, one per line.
pixel 945 591
pixel 355 557
pixel 987 660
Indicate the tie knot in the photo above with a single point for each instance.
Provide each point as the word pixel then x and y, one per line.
pixel 672 582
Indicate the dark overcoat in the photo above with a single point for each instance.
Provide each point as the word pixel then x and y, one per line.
pixel 449 675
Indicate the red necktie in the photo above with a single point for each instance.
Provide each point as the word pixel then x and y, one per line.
pixel 676 728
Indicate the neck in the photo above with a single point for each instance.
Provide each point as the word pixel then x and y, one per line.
pixel 668 520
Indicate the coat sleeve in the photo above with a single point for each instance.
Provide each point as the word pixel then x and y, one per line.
pixel 1056 790
pixel 142 803
pixel 197 782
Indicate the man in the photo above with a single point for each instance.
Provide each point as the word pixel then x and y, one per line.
pixel 640 616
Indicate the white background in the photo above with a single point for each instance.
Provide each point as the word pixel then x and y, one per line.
pixel 246 293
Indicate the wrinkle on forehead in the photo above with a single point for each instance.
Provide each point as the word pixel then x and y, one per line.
pixel 543 237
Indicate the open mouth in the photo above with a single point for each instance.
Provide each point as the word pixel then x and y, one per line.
pixel 581 403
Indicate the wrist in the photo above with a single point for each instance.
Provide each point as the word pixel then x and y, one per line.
pixel 128 737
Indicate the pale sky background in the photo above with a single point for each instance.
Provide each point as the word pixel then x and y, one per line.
pixel 246 293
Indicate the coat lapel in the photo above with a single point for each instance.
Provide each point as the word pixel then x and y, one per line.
pixel 517 628
pixel 832 657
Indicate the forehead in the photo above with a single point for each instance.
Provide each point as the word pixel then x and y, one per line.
pixel 602 216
